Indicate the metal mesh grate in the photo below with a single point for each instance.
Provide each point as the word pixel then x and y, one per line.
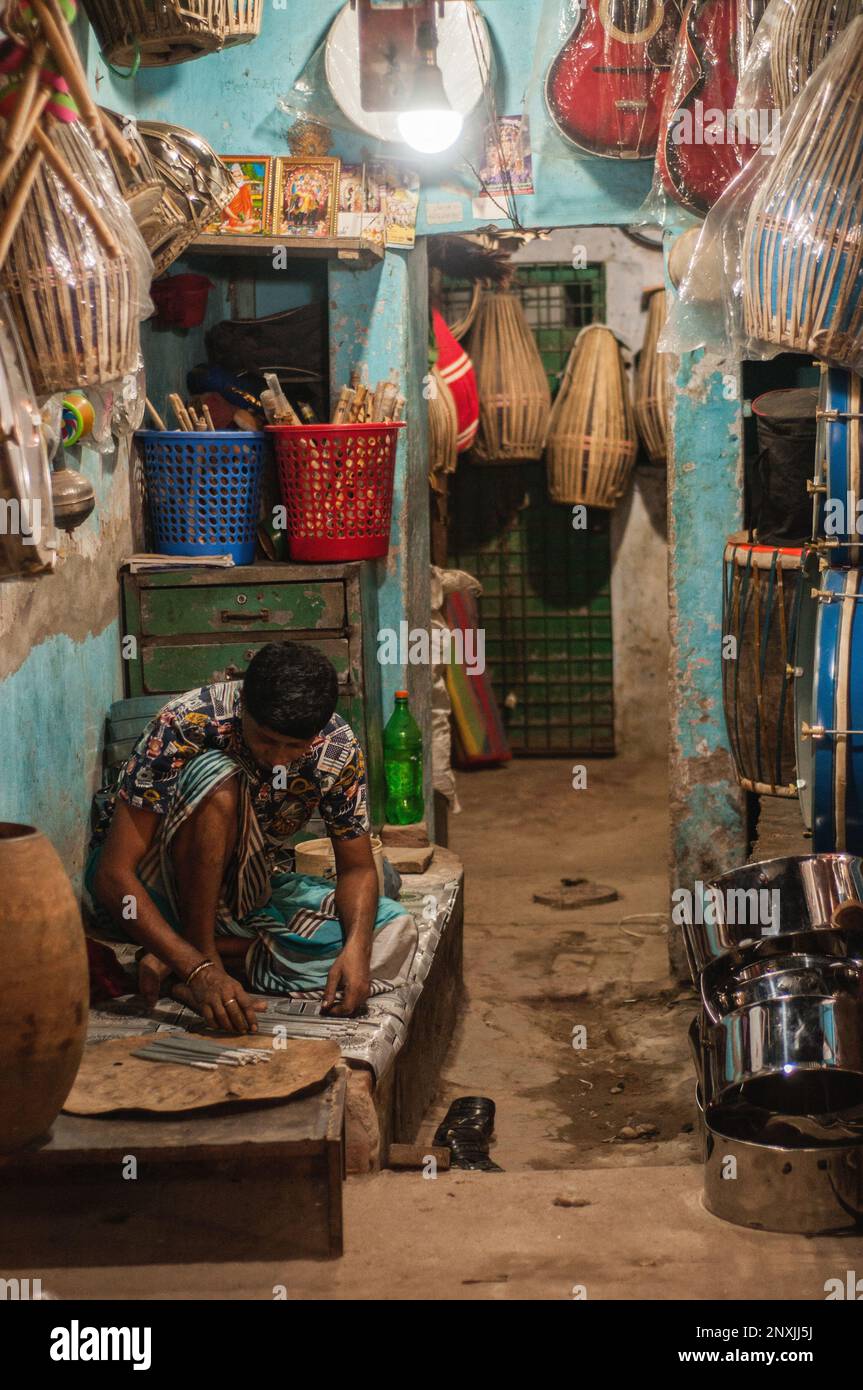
pixel 546 603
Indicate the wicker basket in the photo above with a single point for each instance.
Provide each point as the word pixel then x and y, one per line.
pixel 514 395
pixel 802 249
pixel 650 401
pixel 75 307
pixel 158 33
pixel 443 429
pixel 592 440
pixel 803 34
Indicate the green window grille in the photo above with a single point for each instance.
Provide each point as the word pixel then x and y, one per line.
pixel 546 603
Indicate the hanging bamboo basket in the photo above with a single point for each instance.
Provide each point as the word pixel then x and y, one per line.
pixel 650 401
pixel 75 306
pixel 803 34
pixel 159 33
pixel 443 428
pixel 514 395
pixel 802 249
pixel 592 440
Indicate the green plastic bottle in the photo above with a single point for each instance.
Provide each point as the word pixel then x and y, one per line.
pixel 403 765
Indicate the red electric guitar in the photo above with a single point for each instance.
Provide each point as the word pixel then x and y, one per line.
pixel 606 87
pixel 703 142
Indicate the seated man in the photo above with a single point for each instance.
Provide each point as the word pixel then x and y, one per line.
pixel 201 821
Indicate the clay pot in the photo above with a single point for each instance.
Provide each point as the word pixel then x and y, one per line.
pixel 45 985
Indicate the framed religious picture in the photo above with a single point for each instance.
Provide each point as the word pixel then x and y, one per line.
pixel 362 208
pixel 248 214
pixel 306 197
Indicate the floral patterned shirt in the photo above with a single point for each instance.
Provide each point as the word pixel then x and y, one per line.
pixel 329 779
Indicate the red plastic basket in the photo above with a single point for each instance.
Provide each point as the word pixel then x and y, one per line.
pixel 337 489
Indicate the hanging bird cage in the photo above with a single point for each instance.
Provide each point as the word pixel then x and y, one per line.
pixel 514 395
pixel 650 401
pixel 443 428
pixel 159 33
pixel 592 439
pixel 76 307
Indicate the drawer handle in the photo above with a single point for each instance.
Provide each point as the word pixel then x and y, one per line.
pixel 262 617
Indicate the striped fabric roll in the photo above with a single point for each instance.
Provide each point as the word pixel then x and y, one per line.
pixel 457 371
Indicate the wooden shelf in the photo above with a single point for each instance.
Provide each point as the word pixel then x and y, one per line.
pixel 355 249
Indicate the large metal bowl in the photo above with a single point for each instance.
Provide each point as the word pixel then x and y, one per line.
pixel 805 1050
pixel 777 897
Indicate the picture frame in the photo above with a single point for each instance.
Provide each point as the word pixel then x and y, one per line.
pixel 362 205
pixel 249 214
pixel 306 196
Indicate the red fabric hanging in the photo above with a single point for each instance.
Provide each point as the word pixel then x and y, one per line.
pixel 457 371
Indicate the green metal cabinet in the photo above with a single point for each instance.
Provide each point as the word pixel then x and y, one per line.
pixel 194 628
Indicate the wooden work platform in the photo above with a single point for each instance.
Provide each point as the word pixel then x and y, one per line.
pixel 257 1182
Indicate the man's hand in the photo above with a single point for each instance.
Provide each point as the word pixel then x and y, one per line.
pixel 152 974
pixel 218 998
pixel 350 973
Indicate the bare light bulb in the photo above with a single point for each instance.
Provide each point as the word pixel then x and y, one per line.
pixel 431 131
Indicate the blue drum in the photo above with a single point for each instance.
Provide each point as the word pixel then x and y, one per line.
pixel 828 707
pixel 837 487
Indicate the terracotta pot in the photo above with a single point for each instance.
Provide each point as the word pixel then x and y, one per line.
pixel 44 991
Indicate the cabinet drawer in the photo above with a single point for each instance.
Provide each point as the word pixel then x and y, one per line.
pixel 243 609
pixel 183 666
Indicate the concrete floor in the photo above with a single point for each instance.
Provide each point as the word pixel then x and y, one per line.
pixel 578 1211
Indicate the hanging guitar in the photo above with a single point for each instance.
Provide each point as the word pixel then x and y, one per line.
pixel 702 145
pixel 606 87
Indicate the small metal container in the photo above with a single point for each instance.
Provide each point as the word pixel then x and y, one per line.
pixel 729 985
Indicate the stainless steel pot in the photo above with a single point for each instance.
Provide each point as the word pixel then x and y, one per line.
pixel 812 1046
pixel 728 985
pixel 777 897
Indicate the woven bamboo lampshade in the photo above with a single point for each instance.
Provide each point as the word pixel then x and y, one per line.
pixel 158 33
pixel 802 249
pixel 514 395
pixel 443 428
pixel 75 306
pixel 591 439
pixel 650 400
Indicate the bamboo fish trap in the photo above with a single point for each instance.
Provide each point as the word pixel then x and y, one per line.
pixel 443 429
pixel 158 33
pixel 75 306
pixel 802 249
pixel 514 395
pixel 650 401
pixel 805 29
pixel 591 439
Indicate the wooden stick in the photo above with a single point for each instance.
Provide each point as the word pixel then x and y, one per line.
pixel 34 116
pixel 56 31
pixel 209 419
pixel 343 406
pixel 17 203
pixel 79 196
pixel 180 412
pixel 157 419
pixel 15 138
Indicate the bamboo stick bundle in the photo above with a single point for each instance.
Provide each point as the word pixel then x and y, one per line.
pixel 73 291
pixel 514 395
pixel 804 31
pixel 592 438
pixel 159 33
pixel 443 428
pixel 802 249
pixel 650 399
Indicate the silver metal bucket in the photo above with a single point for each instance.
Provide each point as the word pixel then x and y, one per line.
pixel 745 912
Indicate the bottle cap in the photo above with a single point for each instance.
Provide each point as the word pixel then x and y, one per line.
pixel 402 694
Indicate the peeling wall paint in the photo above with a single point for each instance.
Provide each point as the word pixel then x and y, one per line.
pixel 708 829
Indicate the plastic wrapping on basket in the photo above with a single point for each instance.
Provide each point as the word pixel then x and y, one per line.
pixel 77 308
pixel 802 252
pixel 706 136
pixel 602 70
pixel 792 38
pixel 28 546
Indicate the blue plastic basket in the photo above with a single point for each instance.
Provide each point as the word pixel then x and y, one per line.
pixel 204 491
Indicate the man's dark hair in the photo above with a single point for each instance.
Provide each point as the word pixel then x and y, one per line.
pixel 291 689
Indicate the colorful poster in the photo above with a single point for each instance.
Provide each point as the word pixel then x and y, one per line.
pixel 402 197
pixel 508 161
